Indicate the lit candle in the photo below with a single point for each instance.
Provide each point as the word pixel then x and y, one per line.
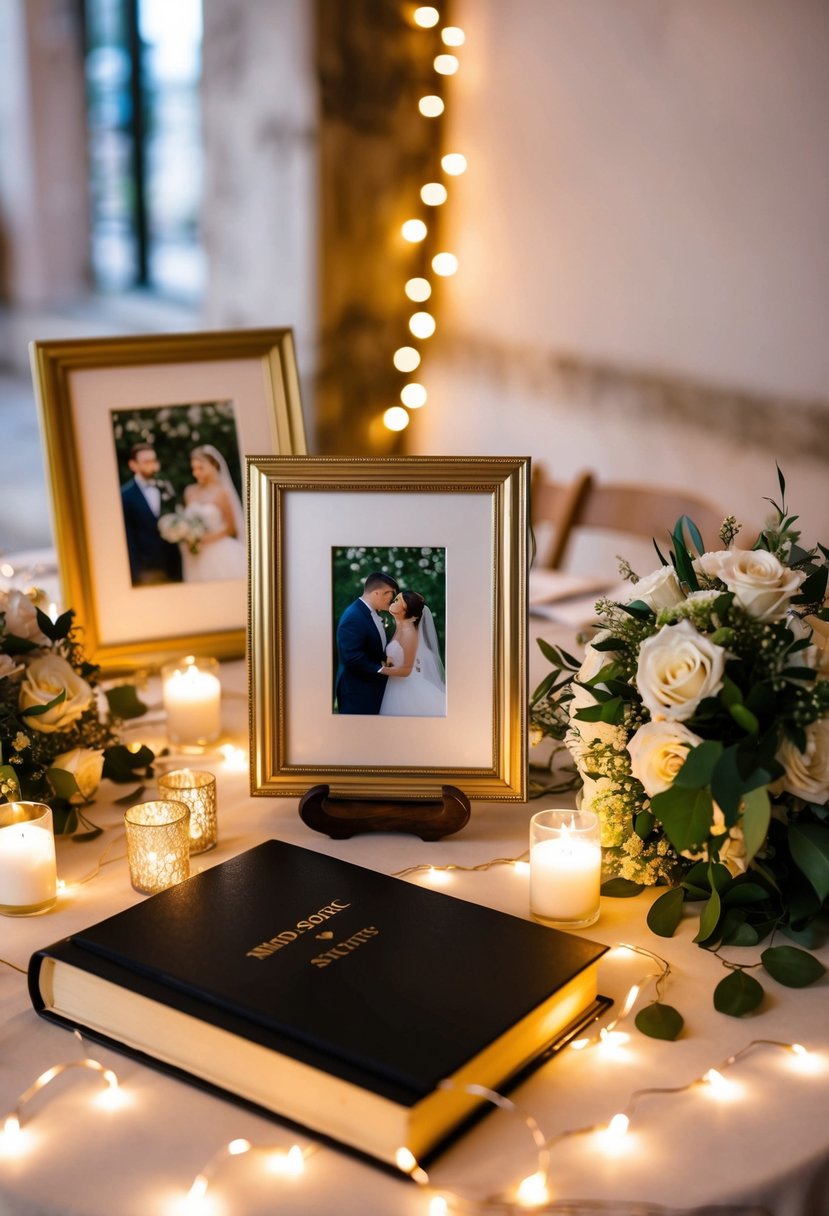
pixel 192 695
pixel 198 792
pixel 28 871
pixel 565 867
pixel 158 845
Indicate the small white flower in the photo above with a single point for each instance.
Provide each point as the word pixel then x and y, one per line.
pixel 677 669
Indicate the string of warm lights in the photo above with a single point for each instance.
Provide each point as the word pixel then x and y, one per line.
pixel 433 194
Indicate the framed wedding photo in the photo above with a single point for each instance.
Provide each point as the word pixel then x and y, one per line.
pixel 145 440
pixel 387 648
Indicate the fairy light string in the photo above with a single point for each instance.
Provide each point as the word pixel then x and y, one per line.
pixel 419 289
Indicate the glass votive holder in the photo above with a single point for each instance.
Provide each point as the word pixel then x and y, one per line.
pixel 198 792
pixel 192 696
pixel 565 868
pixel 158 845
pixel 28 868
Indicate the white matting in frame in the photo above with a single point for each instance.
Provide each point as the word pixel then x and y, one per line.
pixel 470 510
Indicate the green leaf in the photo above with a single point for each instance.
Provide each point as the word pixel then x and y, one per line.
pixel 643 824
pixel 621 888
pixel 809 844
pixel 63 783
pixel 659 1021
pixel 696 772
pixel 738 994
pixel 557 655
pixel 14 645
pixel 686 816
pixel 792 967
pixel 741 893
pixel 709 917
pixel 35 711
pixel 740 934
pixel 124 702
pixel 121 764
pixel 611 711
pixel 756 819
pixel 745 719
pixel 666 912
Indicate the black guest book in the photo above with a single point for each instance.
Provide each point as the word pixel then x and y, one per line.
pixel 323 992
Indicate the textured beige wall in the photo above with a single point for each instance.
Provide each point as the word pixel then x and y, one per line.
pixel 644 279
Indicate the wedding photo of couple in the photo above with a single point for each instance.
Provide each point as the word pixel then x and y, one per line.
pixel 396 671
pixel 194 533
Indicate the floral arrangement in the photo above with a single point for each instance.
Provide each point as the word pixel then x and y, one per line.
pixel 58 734
pixel 185 525
pixel 698 721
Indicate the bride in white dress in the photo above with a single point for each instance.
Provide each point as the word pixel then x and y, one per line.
pixel 416 687
pixel 212 497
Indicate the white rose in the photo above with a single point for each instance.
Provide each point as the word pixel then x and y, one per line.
pixel 760 582
pixel 45 678
pixel 677 668
pixel 658 751
pixel 85 764
pixel 807 772
pixel 21 617
pixel 660 589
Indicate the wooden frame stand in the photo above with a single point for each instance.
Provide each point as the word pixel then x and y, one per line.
pixel 341 818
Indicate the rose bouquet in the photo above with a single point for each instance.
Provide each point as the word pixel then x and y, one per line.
pixel 698 720
pixel 58 737
pixel 185 525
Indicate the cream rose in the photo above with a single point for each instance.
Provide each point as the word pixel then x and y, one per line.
pixel 807 772
pixel 677 668
pixel 45 678
pixel 658 751
pixel 760 582
pixel 21 617
pixel 85 764
pixel 660 589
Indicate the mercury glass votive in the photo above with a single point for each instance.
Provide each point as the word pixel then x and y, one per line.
pixel 565 868
pixel 192 696
pixel 28 870
pixel 158 845
pixel 197 790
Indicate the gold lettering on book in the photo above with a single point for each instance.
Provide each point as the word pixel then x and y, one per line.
pixel 343 949
pixel 269 947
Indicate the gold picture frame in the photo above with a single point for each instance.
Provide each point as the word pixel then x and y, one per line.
pixel 303 511
pixel 95 397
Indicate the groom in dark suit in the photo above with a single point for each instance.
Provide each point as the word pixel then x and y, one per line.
pixel 361 646
pixel 144 498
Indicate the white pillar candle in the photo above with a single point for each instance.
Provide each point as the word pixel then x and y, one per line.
pixel 28 871
pixel 192 695
pixel 565 867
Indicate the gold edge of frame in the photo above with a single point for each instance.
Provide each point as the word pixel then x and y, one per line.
pixel 51 362
pixel 506 478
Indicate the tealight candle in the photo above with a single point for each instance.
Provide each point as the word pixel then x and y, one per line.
pixel 192 696
pixel 158 845
pixel 198 792
pixel 565 867
pixel 28 870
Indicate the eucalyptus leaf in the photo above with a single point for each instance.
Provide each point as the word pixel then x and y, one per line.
pixel 756 819
pixel 738 994
pixel 741 934
pixel 709 917
pixel 792 967
pixel 621 888
pixel 696 772
pixel 686 815
pixel 809 844
pixel 659 1021
pixel 741 893
pixel 666 912
pixel 124 702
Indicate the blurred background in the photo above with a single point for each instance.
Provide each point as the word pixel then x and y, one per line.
pixel 619 257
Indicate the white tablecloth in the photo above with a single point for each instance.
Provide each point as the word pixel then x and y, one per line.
pixel 765 1149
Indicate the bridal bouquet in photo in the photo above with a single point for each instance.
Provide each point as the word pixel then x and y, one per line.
pixel 58 736
pixel 185 525
pixel 698 721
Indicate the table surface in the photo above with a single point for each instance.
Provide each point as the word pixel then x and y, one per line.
pixel 762 1149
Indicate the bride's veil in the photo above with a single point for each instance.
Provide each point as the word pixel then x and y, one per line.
pixel 227 483
pixel 428 651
